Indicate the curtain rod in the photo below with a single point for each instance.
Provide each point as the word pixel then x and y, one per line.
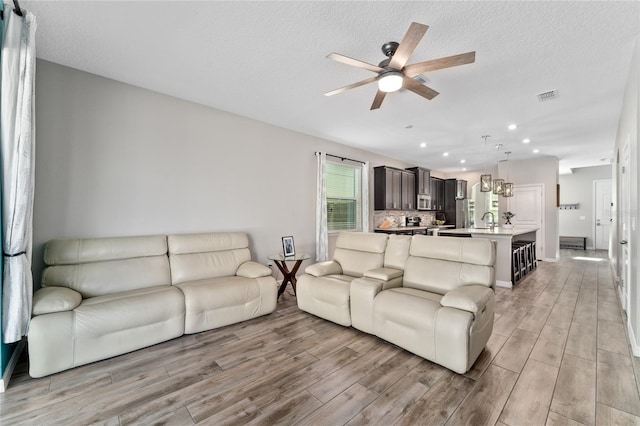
pixel 343 158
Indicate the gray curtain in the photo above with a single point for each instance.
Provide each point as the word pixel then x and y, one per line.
pixel 17 123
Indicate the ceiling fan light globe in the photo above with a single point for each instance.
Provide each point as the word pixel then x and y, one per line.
pixel 390 82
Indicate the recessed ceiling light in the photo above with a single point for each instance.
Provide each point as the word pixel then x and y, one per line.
pixel 535 151
pixel 513 126
pixel 527 140
pixel 445 154
pixel 463 161
pixel 464 169
pixel 423 145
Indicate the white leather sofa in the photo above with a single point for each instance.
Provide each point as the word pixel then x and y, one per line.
pixel 440 306
pixel 325 287
pixel 221 284
pixel 107 296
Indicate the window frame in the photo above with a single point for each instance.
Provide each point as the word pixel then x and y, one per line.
pixel 358 198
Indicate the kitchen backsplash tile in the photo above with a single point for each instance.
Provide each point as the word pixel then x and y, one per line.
pixel 397 217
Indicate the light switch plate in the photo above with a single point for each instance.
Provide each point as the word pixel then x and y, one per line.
pixel 583 217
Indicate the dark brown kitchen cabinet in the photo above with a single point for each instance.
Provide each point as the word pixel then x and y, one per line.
pixel 437 194
pixel 394 189
pixel 423 180
pixel 408 198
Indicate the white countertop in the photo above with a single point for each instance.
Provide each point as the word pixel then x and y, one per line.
pixel 485 231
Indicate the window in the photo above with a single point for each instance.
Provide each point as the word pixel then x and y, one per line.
pixel 344 201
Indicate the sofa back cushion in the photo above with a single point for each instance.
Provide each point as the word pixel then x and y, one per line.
pixel 207 255
pixel 395 256
pixel 441 264
pixel 357 252
pixel 101 266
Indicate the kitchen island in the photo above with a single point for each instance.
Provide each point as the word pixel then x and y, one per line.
pixel 503 237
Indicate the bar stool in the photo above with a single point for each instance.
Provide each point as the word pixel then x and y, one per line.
pixel 522 257
pixel 526 254
pixel 532 254
pixel 516 274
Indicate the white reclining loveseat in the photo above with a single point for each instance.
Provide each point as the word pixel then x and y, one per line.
pixel 442 305
pixel 103 297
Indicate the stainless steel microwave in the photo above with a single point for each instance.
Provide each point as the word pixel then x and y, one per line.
pixel 423 202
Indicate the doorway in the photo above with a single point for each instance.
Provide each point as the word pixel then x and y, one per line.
pixel 602 215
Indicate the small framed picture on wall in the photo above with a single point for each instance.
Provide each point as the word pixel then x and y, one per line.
pixel 288 249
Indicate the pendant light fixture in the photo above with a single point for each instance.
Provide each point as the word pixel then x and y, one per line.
pixel 485 179
pixel 498 184
pixel 507 190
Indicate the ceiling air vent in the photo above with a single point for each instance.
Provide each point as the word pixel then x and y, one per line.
pixel 548 95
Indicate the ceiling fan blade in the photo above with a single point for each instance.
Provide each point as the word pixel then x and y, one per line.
pixel 438 64
pixel 354 62
pixel 420 89
pixel 351 86
pixel 377 101
pixel 408 45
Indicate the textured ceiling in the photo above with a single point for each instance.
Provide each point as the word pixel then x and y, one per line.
pixel 267 60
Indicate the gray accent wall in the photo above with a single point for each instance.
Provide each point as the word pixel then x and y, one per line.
pixel 115 160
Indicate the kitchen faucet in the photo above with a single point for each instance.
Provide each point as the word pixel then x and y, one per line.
pixel 493 219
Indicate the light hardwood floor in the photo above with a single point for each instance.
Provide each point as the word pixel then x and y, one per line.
pixel 558 356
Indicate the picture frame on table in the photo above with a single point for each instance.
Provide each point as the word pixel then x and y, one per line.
pixel 288 247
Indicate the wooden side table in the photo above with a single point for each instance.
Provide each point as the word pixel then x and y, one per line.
pixel 289 276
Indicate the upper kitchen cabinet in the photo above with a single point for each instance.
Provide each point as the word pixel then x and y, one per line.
pixel 437 194
pixel 408 198
pixel 423 180
pixel 394 189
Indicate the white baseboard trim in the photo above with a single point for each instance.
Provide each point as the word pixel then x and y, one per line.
pixel 549 259
pixel 4 382
pixel 504 284
pixel 635 348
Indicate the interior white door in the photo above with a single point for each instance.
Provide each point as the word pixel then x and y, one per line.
pixel 602 203
pixel 625 220
pixel 527 204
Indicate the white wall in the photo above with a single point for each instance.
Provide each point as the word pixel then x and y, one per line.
pixel 113 159
pixel 578 188
pixel 629 132
pixel 542 171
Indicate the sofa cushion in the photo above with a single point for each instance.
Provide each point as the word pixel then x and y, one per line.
pixel 113 324
pixel 215 302
pixel 441 264
pixel 206 242
pixel 357 252
pixel 326 297
pixel 106 277
pixel 196 257
pixel 397 251
pixel 477 251
pixel 74 251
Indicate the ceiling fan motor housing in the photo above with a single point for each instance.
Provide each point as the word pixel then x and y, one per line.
pixel 389 49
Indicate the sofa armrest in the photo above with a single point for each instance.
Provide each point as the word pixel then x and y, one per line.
pixel 329 267
pixel 251 269
pixel 48 300
pixel 362 295
pixel 470 298
pixel 384 274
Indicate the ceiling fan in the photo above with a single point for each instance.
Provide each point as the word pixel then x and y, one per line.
pixel 393 74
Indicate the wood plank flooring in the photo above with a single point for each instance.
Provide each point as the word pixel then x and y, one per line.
pixel 558 355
